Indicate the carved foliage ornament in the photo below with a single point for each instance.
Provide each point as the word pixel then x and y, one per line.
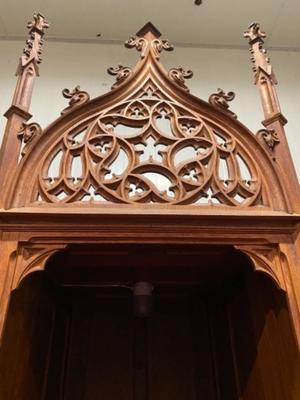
pixel 178 75
pixel 28 134
pixel 221 99
pixel 148 40
pixel 121 74
pixel 76 96
pixel 142 45
pixel 269 138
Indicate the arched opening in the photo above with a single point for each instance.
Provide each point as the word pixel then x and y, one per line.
pixel 215 329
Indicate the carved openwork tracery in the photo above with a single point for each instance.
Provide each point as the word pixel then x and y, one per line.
pixel 149 149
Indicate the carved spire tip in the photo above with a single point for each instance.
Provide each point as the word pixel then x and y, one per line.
pixel 148 28
pixel 38 22
pixel 254 33
pixel 146 38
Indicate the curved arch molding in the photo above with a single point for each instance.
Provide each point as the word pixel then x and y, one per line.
pixel 32 258
pixel 268 260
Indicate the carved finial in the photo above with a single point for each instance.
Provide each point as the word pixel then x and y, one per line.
pixel 221 99
pixel 259 53
pixel 178 75
pixel 253 33
pixel 77 97
pixel 147 38
pixel 121 74
pixel 33 48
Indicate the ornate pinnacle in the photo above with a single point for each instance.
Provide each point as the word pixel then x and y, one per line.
pixel 259 53
pixel 33 49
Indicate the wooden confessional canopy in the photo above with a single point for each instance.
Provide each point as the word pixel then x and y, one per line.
pixel 147 142
pixel 149 164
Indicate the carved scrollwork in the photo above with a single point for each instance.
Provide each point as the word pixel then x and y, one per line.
pixel 122 73
pixel 266 259
pixel 221 99
pixel 29 133
pixel 161 44
pixel 138 43
pixel 178 75
pixel 269 138
pixel 154 43
pixel 76 96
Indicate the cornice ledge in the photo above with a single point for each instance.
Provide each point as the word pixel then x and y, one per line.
pixel 277 223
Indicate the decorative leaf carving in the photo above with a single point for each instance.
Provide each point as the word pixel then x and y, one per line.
pixel 268 137
pixel 77 97
pixel 148 39
pixel 221 99
pixel 159 45
pixel 178 75
pixel 121 74
pixel 29 133
pixel 137 42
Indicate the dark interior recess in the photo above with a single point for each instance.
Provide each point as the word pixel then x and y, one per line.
pixel 215 327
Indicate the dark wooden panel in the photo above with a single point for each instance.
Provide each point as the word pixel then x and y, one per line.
pixel 25 350
pixel 244 348
pixel 226 384
pixel 279 370
pixel 100 351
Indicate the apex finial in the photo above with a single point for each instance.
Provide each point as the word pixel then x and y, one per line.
pixel 259 53
pixel 148 28
pixel 147 39
pixel 38 23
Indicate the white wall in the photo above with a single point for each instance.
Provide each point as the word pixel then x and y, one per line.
pixel 66 65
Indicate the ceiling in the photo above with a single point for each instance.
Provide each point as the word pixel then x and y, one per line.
pixel 216 23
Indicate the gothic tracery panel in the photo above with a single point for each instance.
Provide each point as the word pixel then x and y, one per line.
pixel 149 149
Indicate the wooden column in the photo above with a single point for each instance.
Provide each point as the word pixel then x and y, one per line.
pixel 274 134
pixel 8 256
pixel 18 112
